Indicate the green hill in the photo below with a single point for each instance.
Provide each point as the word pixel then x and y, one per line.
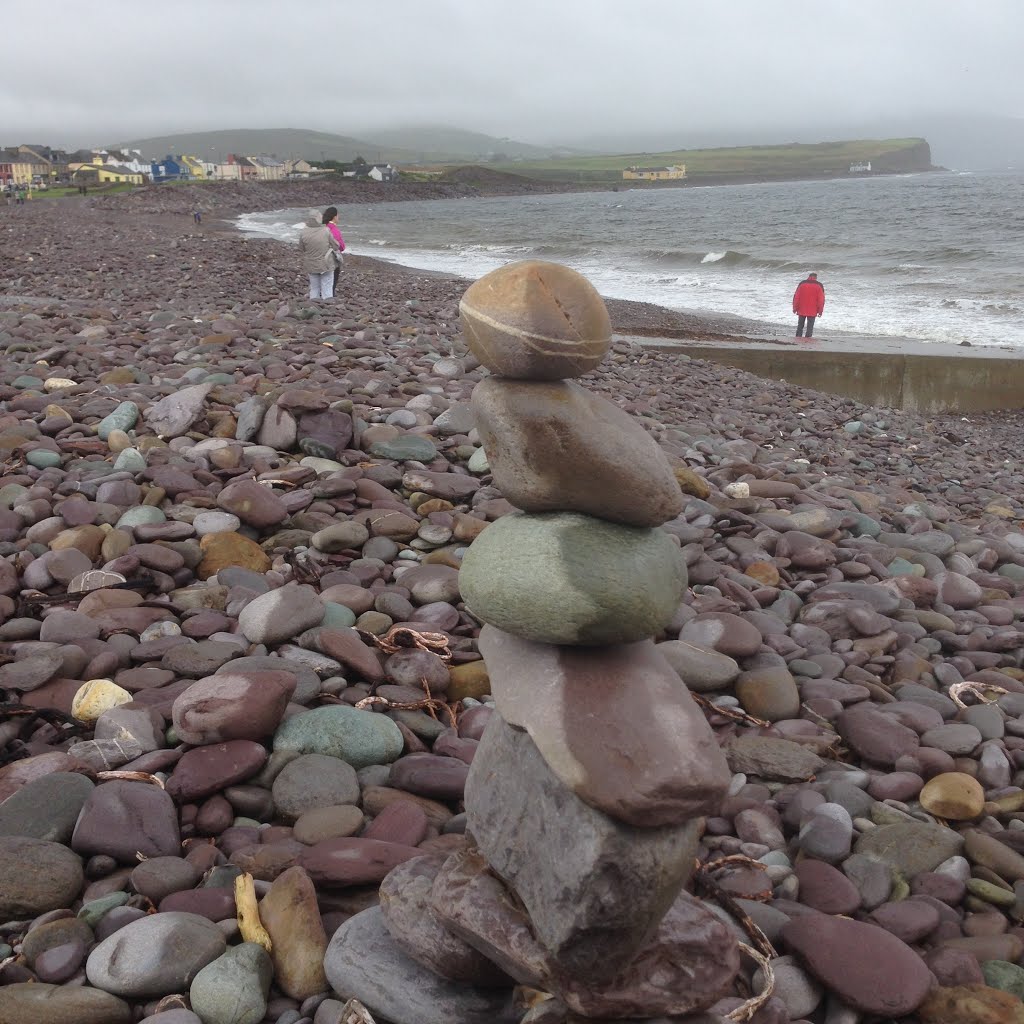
pixel 280 142
pixel 741 162
pixel 422 144
pixel 444 144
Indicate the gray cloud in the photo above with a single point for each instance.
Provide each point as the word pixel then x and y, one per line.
pixel 537 70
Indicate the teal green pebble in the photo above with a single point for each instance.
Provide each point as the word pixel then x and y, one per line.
pixel 337 615
pixel 218 378
pixel 408 447
pixel 901 567
pixel 360 738
pixel 131 460
pixel 141 515
pixel 94 911
pixel 124 417
pixel 41 458
pixel 1005 976
pixel 26 382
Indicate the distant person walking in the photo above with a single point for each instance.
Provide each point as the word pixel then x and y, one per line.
pixel 331 223
pixel 808 304
pixel 197 217
pixel 317 246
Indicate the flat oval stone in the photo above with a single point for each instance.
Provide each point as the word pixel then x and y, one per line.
pixel 37 876
pixel 869 968
pixel 155 955
pixel 358 737
pixel 565 578
pixel 37 1003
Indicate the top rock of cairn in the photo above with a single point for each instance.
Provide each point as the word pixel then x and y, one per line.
pixel 536 321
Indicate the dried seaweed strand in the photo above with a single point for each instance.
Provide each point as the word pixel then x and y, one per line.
pixel 978 689
pixel 734 713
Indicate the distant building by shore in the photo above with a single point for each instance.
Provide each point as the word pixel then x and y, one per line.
pixel 864 167
pixel 675 172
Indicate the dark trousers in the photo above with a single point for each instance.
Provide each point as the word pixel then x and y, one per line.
pixel 337 274
pixel 810 326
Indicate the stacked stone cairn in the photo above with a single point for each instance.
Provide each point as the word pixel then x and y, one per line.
pixel 586 796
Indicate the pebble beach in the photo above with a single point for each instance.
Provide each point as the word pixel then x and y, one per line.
pixel 244 684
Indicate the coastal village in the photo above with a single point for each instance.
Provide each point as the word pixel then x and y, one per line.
pixel 29 166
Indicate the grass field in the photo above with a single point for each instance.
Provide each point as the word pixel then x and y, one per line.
pixel 781 161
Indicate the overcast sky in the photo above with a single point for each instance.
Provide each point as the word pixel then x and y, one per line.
pixel 77 73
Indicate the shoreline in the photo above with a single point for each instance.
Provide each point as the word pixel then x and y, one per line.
pixel 630 317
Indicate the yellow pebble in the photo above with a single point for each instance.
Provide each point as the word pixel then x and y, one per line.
pixel 118 440
pixel 97 696
pixel 953 795
pixel 58 383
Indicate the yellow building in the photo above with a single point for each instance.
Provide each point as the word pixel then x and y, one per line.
pixel 15 169
pixel 677 172
pixel 194 164
pixel 97 173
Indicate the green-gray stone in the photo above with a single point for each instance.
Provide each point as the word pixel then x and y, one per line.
pixel 11 495
pixel 25 381
pixel 910 847
pixel 901 567
pixel 337 615
pixel 42 458
pixel 124 417
pixel 865 526
pixel 233 989
pixel 131 460
pixel 358 737
pixel 46 808
pixel 1011 571
pixel 140 516
pixel 1004 976
pixel 318 449
pixel 566 578
pixel 478 462
pixel 990 893
pixel 222 877
pixel 218 378
pixel 93 911
pixel 407 447
pixel 163 316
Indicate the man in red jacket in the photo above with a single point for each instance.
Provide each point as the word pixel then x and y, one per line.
pixel 808 303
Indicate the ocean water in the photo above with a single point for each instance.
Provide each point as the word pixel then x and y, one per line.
pixel 939 256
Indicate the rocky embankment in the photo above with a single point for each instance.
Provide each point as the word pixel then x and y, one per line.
pixel 241 684
pixel 230 198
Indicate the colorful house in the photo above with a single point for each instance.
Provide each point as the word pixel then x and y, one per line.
pixel 195 166
pixel 98 173
pixel 15 169
pixel 676 172
pixel 171 168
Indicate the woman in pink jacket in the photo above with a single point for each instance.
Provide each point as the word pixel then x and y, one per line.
pixel 331 222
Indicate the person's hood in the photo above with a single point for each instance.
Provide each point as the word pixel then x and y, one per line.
pixel 314 220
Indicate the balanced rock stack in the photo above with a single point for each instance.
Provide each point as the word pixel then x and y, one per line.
pixel 586 795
